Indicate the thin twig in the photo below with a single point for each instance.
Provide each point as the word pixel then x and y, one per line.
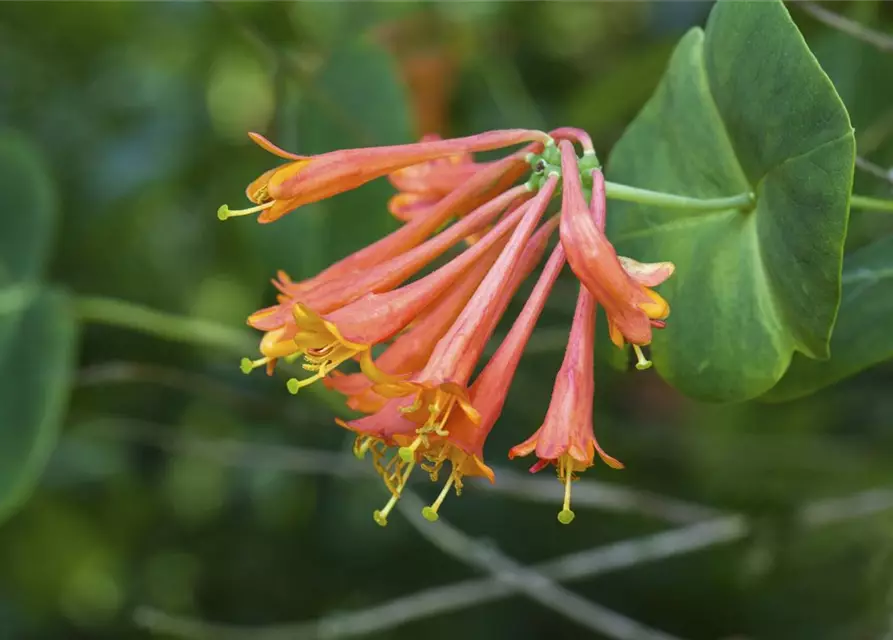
pixel 587 493
pixel 469 593
pixel 881 41
pixel 124 372
pixel 523 580
pixel 602 495
pixel 874 169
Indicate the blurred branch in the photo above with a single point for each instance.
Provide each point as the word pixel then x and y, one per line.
pixel 229 452
pixel 469 593
pixel 522 580
pixel 874 169
pixel 601 495
pixel 587 493
pixel 195 331
pixel 877 39
pixel 168 326
pixel 122 372
pixel 870 138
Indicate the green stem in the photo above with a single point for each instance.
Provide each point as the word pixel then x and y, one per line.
pixel 167 326
pixel 871 204
pixel 203 333
pixel 672 201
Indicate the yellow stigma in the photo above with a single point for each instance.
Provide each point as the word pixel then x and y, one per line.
pixel 407 454
pixel 247 365
pixel 381 515
pixel 225 212
pixel 430 513
pixel 643 362
pixel 566 516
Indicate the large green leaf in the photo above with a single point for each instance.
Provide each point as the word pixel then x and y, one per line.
pixel 36 329
pixel 743 106
pixel 27 210
pixel 36 363
pixel 862 337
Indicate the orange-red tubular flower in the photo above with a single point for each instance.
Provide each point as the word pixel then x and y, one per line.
pixel 271 319
pixel 396 422
pixel 387 275
pixel 566 438
pixel 306 179
pixel 423 185
pixel 328 340
pixel 463 445
pixel 621 286
pixel 410 235
pixel 376 434
pixel 279 321
pixel 409 353
pixel 410 350
pixel 442 384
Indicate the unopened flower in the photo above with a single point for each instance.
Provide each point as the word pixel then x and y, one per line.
pixel 306 179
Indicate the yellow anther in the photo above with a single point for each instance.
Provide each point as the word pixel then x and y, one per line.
pixel 643 362
pixel 225 212
pixel 361 447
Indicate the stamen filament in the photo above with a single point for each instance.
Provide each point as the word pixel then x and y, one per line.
pixel 247 365
pixel 430 513
pixel 566 516
pixel 225 212
pixel 322 367
pixel 643 362
pixel 381 516
pixel 294 385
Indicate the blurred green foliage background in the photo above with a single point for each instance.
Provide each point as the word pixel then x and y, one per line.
pixel 137 115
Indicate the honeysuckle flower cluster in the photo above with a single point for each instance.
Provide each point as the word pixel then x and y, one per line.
pixel 414 340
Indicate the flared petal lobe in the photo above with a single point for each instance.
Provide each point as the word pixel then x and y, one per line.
pixel 566 438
